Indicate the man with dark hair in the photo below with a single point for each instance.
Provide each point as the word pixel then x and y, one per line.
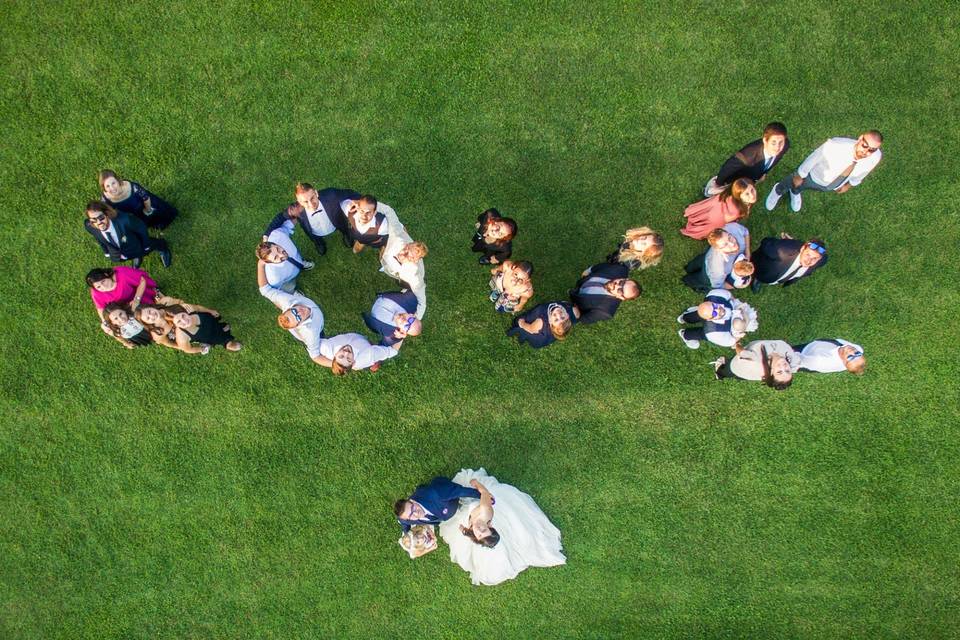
pixel 753 161
pixel 432 503
pixel 122 236
pixel 600 290
pixel 784 260
pixel 836 165
pixel 366 225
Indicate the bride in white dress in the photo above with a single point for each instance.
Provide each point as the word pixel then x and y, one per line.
pixel 501 534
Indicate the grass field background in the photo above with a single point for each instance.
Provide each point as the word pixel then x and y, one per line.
pixel 150 494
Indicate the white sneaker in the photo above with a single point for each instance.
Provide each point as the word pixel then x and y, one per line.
pixel 711 188
pixel 691 344
pixel 680 318
pixel 772 199
pixel 307 265
pixel 796 201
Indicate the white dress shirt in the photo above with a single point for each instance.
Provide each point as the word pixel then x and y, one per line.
pixel 824 357
pixel 282 272
pixel 364 353
pixel 832 158
pixel 308 332
pixel 410 273
pixel 794 271
pixel 320 221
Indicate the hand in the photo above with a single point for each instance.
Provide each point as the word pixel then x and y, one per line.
pixel 215 314
pixel 762 178
pixel 476 484
pixel 129 345
pixel 844 188
pixel 797 181
pixel 264 239
pixel 493 260
pixel 785 236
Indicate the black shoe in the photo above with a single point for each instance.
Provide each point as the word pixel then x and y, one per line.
pixel 321 246
pixel 165 258
pixel 755 286
pixel 484 260
pixel 137 262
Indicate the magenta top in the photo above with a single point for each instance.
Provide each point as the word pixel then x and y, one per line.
pixel 128 279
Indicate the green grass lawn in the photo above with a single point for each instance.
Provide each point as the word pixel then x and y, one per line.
pixel 150 494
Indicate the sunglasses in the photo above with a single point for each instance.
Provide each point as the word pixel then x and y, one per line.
pixel 867 147
pixel 296 315
pixel 853 356
pixel 98 218
pixel 816 247
pixel 716 310
pixel 409 323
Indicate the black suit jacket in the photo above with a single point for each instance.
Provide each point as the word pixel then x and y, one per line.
pixel 596 308
pixel 748 163
pixel 774 256
pixel 131 235
pixel 406 299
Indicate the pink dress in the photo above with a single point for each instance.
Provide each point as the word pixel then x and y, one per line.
pixel 707 215
pixel 128 279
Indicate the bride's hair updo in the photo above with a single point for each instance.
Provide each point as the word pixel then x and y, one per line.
pixel 487 541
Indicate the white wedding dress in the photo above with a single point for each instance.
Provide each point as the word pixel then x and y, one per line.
pixel 527 537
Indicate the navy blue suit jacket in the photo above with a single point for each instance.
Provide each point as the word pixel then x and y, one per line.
pixel 441 498
pixel 774 256
pixel 748 162
pixel 131 235
pixel 597 308
pixel 405 299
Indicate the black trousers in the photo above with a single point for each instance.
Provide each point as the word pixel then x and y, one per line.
pixel 153 244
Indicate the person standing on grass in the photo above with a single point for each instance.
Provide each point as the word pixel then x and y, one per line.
pixel 317 212
pixel 830 355
pixel 785 261
pixel 600 290
pixel 367 225
pixel 836 165
pixel 712 268
pixel 511 286
pixel 724 319
pixel 402 259
pixel 283 260
pixel 122 236
pixel 299 315
pixel 730 205
pixel 754 161
pixel 131 198
pixel 393 317
pixel 493 237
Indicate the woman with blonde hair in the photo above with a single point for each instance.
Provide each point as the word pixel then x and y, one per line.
pixel 730 205
pixel 642 247
pixel 545 324
pixel 130 197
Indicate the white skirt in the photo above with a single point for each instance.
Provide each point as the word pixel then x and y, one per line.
pixel 527 537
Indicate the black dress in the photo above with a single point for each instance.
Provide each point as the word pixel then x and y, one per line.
pixel 544 337
pixel 211 331
pixel 135 332
pixel 163 212
pixel 501 251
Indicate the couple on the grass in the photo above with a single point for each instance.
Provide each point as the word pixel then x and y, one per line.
pixel 494 530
